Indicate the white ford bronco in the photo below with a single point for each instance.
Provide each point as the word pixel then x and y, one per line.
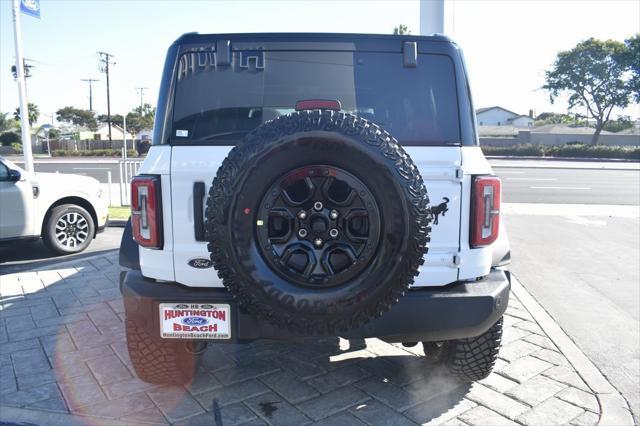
pixel 309 185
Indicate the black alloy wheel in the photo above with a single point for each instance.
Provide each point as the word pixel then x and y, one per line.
pixel 322 228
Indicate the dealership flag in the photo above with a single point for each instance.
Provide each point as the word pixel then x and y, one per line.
pixel 30 7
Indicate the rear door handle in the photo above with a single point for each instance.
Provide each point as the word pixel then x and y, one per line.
pixel 198 208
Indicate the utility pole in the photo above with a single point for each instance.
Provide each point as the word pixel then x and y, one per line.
pixel 22 94
pixel 141 91
pixel 90 81
pixel 431 17
pixel 105 61
pixel 27 72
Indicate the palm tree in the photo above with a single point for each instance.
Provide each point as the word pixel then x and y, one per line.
pixel 34 113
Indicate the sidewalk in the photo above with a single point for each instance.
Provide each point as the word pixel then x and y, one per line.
pixel 63 360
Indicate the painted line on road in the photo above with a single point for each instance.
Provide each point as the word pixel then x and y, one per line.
pixel 562 187
pixel 533 179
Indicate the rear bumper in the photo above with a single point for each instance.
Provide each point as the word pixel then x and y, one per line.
pixel 458 310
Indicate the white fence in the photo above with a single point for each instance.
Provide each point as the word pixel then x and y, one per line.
pixel 119 191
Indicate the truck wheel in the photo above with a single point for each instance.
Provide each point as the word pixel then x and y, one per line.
pixel 69 229
pixel 160 362
pixel 318 222
pixel 469 359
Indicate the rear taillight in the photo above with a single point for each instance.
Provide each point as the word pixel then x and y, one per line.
pixel 146 211
pixel 485 210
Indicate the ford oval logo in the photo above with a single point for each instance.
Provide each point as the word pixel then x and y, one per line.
pixel 200 263
pixel 195 321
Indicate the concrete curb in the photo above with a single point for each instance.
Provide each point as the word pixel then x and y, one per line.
pixel 614 409
pixel 26 417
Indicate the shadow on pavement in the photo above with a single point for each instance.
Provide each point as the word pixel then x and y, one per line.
pixel 18 256
pixel 63 349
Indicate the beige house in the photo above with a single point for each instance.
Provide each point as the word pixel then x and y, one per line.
pixel 102 134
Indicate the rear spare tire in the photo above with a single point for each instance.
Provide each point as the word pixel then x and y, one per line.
pixel 318 221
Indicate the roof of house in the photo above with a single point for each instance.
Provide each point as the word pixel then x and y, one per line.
pixel 481 110
pixel 113 126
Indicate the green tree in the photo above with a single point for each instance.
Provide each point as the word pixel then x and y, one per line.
pixel 631 59
pixel 594 76
pixel 622 123
pixel 6 123
pixel 557 118
pixel 401 29
pixel 7 138
pixel 54 133
pixel 33 113
pixel 77 117
pixel 140 118
pixel 115 119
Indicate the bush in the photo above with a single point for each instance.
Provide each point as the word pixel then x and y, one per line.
pixel 594 151
pixel 17 147
pixel 567 150
pixel 92 153
pixel 520 150
pixel 8 138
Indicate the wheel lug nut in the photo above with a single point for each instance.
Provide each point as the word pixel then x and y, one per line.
pixel 317 206
pixel 317 242
pixel 333 233
pixel 302 215
pixel 302 233
pixel 333 215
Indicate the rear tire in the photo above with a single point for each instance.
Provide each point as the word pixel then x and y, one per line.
pixel 160 362
pixel 469 359
pixel 68 229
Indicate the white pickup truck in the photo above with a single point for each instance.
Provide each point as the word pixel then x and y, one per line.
pixel 336 185
pixel 67 211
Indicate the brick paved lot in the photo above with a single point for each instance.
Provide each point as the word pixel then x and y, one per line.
pixel 62 349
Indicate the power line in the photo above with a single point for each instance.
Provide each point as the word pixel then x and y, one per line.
pixel 90 81
pixel 104 62
pixel 141 91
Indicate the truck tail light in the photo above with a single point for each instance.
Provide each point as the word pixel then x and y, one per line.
pixel 485 210
pixel 146 211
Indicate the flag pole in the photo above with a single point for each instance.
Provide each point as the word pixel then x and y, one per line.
pixel 24 112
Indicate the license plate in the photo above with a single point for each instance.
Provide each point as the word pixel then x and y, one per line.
pixel 195 321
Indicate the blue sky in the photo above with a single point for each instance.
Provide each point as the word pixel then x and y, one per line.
pixel 508 44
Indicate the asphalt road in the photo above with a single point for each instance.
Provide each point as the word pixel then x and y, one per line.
pixel 569 186
pixel 585 271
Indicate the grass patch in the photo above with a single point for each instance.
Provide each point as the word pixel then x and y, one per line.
pixel 121 213
pixel 568 150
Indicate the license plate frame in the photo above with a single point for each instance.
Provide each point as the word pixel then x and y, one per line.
pixel 201 321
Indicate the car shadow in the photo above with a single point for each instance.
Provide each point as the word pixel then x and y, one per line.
pixel 17 256
pixel 63 349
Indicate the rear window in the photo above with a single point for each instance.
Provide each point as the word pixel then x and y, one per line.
pixel 220 104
